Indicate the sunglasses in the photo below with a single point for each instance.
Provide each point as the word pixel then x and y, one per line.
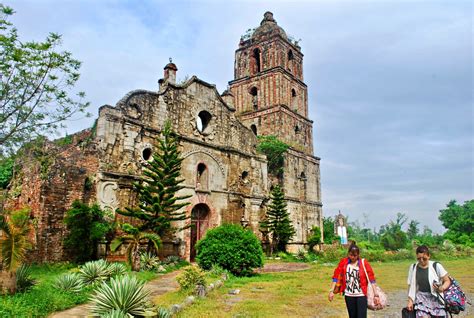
pixel 424 258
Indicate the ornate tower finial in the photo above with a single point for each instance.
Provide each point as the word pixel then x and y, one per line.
pixel 171 60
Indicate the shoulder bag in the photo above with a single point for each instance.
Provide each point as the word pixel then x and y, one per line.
pixel 372 291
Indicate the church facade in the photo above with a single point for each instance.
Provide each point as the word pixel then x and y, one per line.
pixel 226 178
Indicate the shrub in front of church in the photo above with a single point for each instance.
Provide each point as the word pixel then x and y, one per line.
pixel 231 247
pixel 190 277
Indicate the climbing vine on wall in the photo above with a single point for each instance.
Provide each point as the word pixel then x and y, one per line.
pixel 274 149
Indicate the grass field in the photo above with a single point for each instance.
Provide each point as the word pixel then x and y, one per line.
pixel 304 293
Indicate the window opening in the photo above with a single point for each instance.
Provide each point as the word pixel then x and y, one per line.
pixel 254 93
pixel 256 56
pixel 254 129
pixel 202 121
pixel 146 154
pixel 202 177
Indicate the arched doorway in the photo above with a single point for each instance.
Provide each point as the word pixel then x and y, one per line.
pixel 199 226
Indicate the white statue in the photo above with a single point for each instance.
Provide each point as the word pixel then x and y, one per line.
pixel 341 229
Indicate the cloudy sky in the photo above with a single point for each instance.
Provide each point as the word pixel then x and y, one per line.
pixel 390 83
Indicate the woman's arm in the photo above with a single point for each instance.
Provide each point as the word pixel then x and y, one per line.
pixel 445 282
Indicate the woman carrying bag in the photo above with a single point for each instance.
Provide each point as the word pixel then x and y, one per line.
pixel 351 274
pixel 425 282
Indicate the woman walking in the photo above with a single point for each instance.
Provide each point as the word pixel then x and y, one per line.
pixel 425 279
pixel 350 274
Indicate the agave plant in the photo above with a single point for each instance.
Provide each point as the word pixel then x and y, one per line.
pixel 123 293
pixel 163 313
pixel 24 281
pixel 117 269
pixel 69 282
pixel 96 271
pixel 148 261
pixel 114 313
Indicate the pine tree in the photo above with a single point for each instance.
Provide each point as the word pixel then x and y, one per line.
pixel 158 204
pixel 277 222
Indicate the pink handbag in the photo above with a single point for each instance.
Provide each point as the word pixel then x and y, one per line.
pixel 372 291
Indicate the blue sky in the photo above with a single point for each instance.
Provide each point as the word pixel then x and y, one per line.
pixel 390 83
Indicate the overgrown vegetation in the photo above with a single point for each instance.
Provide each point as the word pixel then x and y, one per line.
pixel 6 171
pixel 190 277
pixel 459 220
pixel 274 149
pixel 231 247
pixel 86 226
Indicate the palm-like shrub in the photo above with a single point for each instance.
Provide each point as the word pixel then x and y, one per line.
pixel 14 240
pixel 70 282
pixel 117 269
pixel 134 238
pixel 123 293
pixel 232 248
pixel 24 281
pixel 115 313
pixel 93 272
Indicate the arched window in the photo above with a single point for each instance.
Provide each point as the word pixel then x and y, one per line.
pixel 202 121
pixel 254 129
pixel 256 57
pixel 202 177
pixel 254 93
pixel 290 55
pixel 146 154
pixel 294 103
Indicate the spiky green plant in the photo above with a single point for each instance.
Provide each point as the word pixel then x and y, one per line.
pixel 93 272
pixel 24 281
pixel 163 313
pixel 124 293
pixel 70 282
pixel 149 261
pixel 117 269
pixel 114 313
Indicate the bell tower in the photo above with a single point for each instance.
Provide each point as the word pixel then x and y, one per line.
pixel 270 96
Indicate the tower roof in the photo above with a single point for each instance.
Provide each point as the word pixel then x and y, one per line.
pixel 268 27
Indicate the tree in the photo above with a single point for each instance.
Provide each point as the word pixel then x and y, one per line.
pixel 134 238
pixel 35 86
pixel 328 230
pixel 413 229
pixel 274 149
pixel 393 238
pixel 277 222
pixel 158 202
pixel 459 222
pixel 86 227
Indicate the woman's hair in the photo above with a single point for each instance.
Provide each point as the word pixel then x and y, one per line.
pixel 353 248
pixel 422 249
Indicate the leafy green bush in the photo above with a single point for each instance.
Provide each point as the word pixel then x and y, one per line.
pixel 315 237
pixel 24 281
pixel 190 277
pixel 331 253
pixel 6 171
pixel 233 248
pixel 123 293
pixel 274 149
pixel 86 226
pixel 69 282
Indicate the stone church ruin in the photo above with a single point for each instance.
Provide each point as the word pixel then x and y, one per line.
pixel 227 178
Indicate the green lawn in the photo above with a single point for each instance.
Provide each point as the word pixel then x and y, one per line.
pixel 302 294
